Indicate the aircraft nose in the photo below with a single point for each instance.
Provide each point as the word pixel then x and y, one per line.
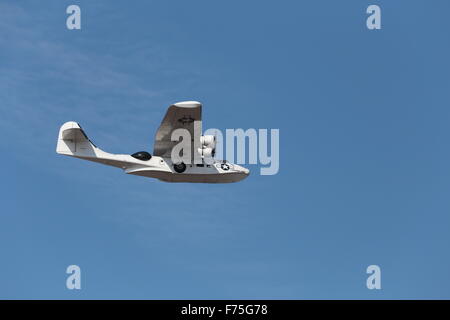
pixel 244 170
pixel 241 170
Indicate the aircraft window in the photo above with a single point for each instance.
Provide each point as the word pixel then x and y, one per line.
pixel 142 155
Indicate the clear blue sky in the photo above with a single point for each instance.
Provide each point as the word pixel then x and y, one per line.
pixel 365 155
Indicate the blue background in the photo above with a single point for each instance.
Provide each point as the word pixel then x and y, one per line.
pixel 365 160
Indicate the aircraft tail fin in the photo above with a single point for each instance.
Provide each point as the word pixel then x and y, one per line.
pixel 72 141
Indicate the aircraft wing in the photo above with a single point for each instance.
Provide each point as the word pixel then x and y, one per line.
pixel 179 115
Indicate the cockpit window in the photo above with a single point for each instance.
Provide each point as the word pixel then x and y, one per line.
pixel 142 155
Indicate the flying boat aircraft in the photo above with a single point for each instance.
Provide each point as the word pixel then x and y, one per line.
pixel 202 167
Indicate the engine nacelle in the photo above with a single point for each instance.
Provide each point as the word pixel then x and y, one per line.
pixel 206 152
pixel 208 141
pixel 208 146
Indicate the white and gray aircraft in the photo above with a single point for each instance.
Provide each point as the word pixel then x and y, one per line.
pixel 72 141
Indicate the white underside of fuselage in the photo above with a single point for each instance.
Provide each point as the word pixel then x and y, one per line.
pixel 190 177
pixel 162 169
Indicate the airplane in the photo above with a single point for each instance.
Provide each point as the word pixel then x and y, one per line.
pixel 73 141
